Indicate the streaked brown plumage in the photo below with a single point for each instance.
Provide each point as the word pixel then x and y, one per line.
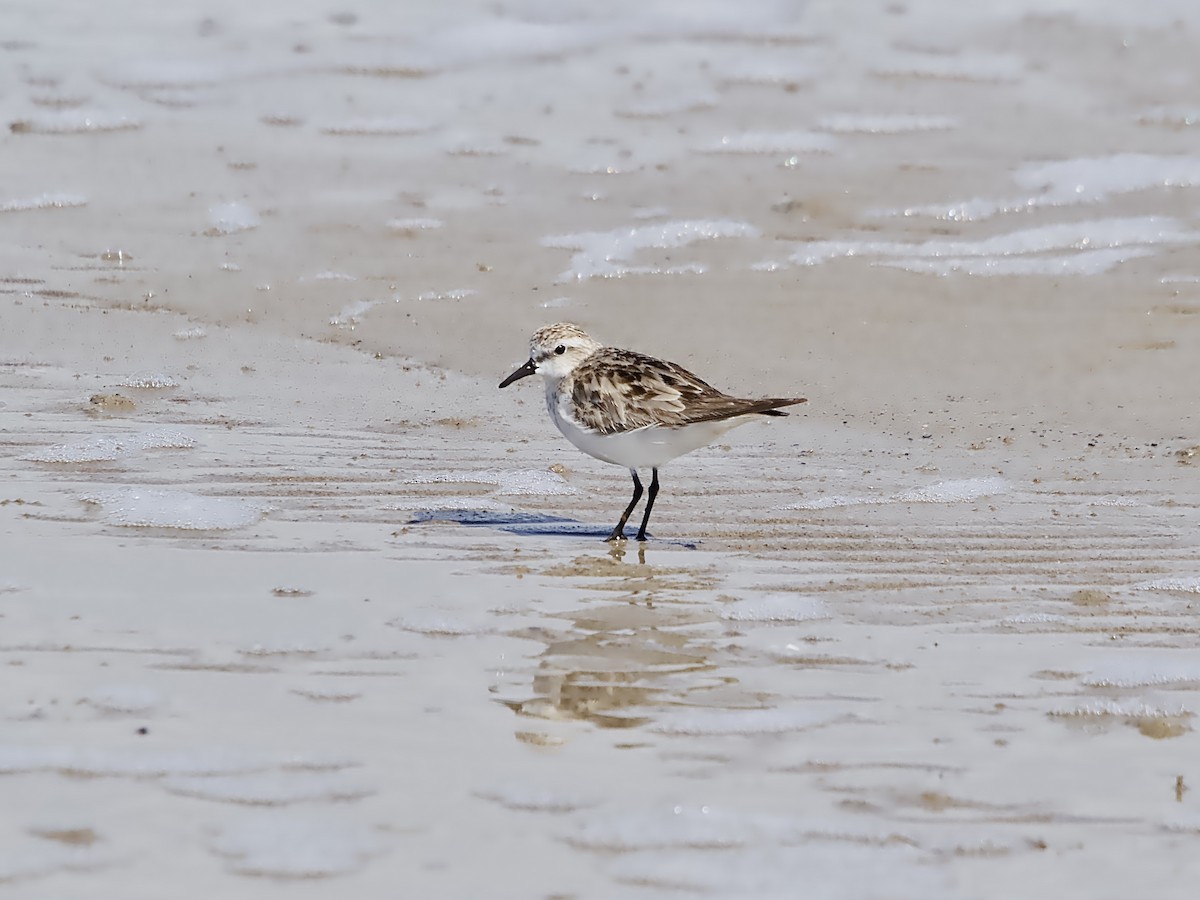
pixel 662 393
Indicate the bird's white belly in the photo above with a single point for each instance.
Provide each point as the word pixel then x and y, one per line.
pixel 648 447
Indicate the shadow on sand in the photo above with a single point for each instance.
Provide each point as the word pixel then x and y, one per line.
pixel 519 522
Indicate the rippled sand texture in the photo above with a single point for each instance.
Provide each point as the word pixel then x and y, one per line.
pixel 293 600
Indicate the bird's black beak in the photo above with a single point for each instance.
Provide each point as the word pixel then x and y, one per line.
pixel 528 369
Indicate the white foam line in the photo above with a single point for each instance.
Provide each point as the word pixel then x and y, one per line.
pixel 974 67
pixel 786 606
pixel 1189 585
pixel 774 142
pixel 605 254
pixel 954 491
pixel 377 126
pixel 76 121
pixel 862 123
pixel 108 449
pixel 1127 709
pixel 351 314
pixel 1089 262
pixel 1069 182
pixel 1144 671
pixel 536 482
pixel 414 224
pixel 1085 235
pixel 43 201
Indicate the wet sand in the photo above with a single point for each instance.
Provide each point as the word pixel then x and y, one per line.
pixel 293 599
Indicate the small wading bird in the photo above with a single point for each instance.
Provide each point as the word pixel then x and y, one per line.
pixel 630 409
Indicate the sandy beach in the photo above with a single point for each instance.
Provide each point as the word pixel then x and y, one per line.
pixel 293 600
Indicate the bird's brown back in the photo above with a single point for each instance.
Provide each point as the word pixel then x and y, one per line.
pixel 621 390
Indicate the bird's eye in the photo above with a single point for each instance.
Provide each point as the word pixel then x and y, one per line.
pixel 560 349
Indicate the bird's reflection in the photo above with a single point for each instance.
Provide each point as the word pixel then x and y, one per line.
pixel 619 549
pixel 620 657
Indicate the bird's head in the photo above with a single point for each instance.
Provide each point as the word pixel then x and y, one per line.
pixel 554 351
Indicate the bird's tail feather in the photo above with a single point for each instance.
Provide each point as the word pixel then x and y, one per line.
pixel 734 407
pixel 770 406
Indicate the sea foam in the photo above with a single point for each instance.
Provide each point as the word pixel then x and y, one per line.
pixel 784 142
pixel 42 201
pixel 533 482
pixel 135 507
pixel 955 491
pixel 1070 182
pixel 109 449
pixel 783 607
pixel 1142 671
pixel 1189 585
pixel 230 218
pixel 884 123
pixel 606 254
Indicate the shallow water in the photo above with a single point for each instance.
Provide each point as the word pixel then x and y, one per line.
pixel 293 598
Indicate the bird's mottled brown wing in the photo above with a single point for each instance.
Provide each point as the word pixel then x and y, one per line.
pixel 620 390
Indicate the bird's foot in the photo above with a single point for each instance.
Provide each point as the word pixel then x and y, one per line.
pixel 618 534
pixel 641 536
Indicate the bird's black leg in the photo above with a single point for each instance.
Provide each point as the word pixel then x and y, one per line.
pixel 641 535
pixel 618 533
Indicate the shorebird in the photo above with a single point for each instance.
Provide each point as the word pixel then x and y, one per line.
pixel 630 409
